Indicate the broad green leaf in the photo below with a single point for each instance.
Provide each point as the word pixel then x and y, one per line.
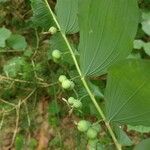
pixel 17 42
pixel 143 145
pixel 127 93
pixel 141 129
pixel 107 30
pixel 66 11
pixel 4 35
pixel 41 15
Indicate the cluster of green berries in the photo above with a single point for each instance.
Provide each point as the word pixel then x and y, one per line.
pixel 75 103
pixel 56 54
pixel 66 83
pixel 91 130
pixel 69 85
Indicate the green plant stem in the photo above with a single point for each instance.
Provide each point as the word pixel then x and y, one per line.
pixel 118 146
pixel 101 113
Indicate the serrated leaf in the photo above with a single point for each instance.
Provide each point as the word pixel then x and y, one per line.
pixel 4 35
pixel 66 11
pixel 143 145
pixel 17 42
pixel 127 93
pixel 107 30
pixel 41 15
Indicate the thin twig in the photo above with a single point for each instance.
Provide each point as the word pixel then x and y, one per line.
pixel 27 112
pixel 2 121
pixel 6 102
pixel 22 101
pixel 4 78
pixel 17 122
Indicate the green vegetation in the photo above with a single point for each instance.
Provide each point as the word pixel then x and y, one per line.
pixel 74 74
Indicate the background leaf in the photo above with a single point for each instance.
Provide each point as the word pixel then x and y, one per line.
pixel 122 136
pixel 19 142
pixel 18 66
pixel 138 44
pixel 107 29
pixel 66 11
pixel 146 47
pixel 17 42
pixel 141 129
pixel 4 35
pixel 146 23
pixel 143 145
pixel 41 15
pixel 127 93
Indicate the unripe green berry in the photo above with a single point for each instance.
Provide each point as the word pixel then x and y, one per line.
pixel 77 104
pixel 72 85
pixel 52 30
pixel 56 54
pixel 91 133
pixel 62 78
pixel 66 84
pixel 92 143
pixel 71 100
pixel 83 125
pixel 97 127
